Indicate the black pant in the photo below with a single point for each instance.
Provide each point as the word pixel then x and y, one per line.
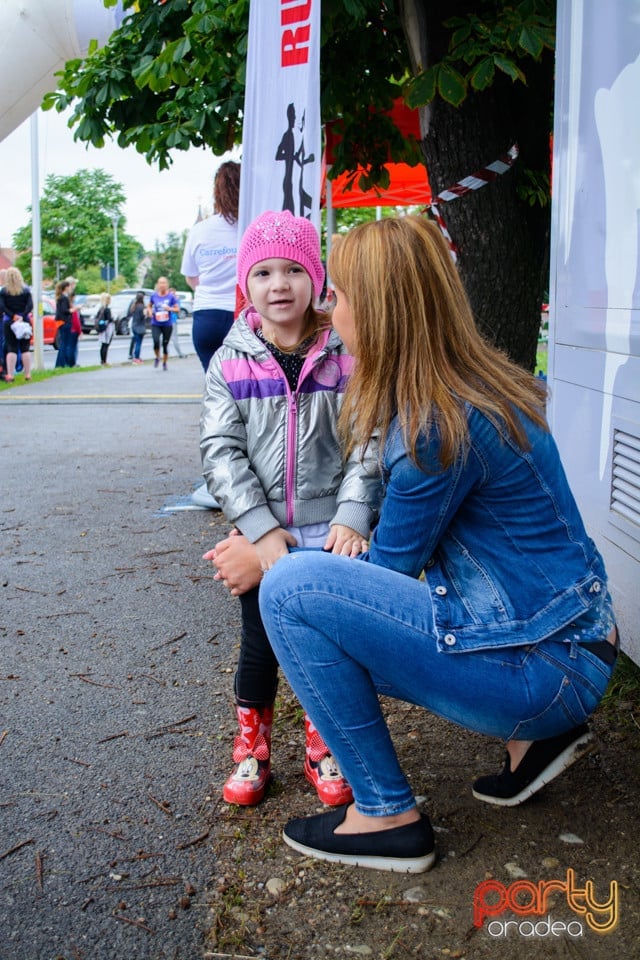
pixel 104 349
pixel 161 332
pixel 257 674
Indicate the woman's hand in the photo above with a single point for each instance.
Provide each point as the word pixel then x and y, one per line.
pixel 237 564
pixel 345 541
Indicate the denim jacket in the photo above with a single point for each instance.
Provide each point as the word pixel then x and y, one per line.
pixel 506 557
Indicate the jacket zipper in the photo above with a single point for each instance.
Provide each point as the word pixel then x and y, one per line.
pixel 292 429
pixel 291 446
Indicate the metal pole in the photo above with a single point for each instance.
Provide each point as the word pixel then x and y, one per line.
pixel 331 220
pixel 36 254
pixel 115 246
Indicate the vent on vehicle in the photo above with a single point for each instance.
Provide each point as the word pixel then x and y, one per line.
pixel 625 482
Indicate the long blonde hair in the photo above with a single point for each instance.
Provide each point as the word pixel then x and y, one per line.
pixel 419 354
pixel 14 282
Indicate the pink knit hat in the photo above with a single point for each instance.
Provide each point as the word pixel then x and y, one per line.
pixel 281 235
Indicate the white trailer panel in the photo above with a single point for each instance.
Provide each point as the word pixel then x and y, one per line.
pixel 594 330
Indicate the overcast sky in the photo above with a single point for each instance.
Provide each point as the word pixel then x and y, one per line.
pixel 158 202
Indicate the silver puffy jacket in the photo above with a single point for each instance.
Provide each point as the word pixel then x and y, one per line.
pixel 272 458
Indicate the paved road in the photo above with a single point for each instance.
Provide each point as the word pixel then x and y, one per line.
pixel 116 651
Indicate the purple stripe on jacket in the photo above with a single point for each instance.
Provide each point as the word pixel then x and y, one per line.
pixel 257 389
pixel 246 378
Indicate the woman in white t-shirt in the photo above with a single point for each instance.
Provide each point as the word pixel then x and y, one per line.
pixel 209 265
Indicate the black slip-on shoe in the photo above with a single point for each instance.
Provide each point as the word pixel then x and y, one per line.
pixel 543 761
pixel 407 849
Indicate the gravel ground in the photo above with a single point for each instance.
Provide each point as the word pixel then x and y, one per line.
pixel 117 654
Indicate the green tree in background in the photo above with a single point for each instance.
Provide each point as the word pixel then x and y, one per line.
pixel 480 72
pixel 77 230
pixel 166 261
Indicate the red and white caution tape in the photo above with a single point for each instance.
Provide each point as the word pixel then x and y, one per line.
pixel 479 179
pixel 437 216
pixel 473 182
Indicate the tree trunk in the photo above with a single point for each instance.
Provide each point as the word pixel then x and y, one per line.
pixel 501 240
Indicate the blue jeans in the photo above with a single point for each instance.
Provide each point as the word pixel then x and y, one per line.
pixel 65 357
pixel 137 344
pixel 72 359
pixel 209 329
pixel 345 631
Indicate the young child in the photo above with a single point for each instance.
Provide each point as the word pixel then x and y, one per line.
pixel 273 460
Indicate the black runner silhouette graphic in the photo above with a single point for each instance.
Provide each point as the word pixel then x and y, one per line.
pixel 287 153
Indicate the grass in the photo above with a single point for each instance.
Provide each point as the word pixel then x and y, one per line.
pixel 37 375
pixel 624 687
pixel 541 358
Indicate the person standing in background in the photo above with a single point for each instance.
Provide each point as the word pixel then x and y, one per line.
pixel 106 327
pixel 175 340
pixel 16 306
pixel 138 327
pixel 63 313
pixel 162 304
pixel 209 265
pixel 76 332
pixel 3 277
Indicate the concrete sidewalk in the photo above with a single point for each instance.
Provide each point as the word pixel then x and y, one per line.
pixel 121 383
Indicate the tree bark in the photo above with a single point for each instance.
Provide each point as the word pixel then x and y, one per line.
pixel 501 240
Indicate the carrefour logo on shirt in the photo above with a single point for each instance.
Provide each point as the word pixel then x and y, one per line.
pixel 219 251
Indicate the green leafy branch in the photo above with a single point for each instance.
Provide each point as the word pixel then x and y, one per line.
pixel 500 40
pixel 184 88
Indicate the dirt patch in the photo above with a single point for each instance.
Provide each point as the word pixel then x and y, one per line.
pixel 267 901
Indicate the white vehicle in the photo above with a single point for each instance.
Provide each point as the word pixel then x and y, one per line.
pixel 89 309
pixel 594 328
pixel 186 302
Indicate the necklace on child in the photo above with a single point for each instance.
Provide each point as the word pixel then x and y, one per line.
pixel 296 349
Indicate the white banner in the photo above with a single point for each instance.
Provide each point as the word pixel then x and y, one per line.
pixel 281 140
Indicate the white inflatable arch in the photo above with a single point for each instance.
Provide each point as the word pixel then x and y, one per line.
pixel 37 38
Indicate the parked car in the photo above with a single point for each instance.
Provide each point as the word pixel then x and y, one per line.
pixel 88 310
pixel 50 325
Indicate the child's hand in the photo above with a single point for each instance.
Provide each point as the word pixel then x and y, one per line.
pixel 345 541
pixel 272 546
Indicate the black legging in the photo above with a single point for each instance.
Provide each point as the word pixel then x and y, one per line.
pixel 257 674
pixel 161 331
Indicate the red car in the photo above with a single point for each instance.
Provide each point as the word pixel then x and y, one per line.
pixel 49 323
